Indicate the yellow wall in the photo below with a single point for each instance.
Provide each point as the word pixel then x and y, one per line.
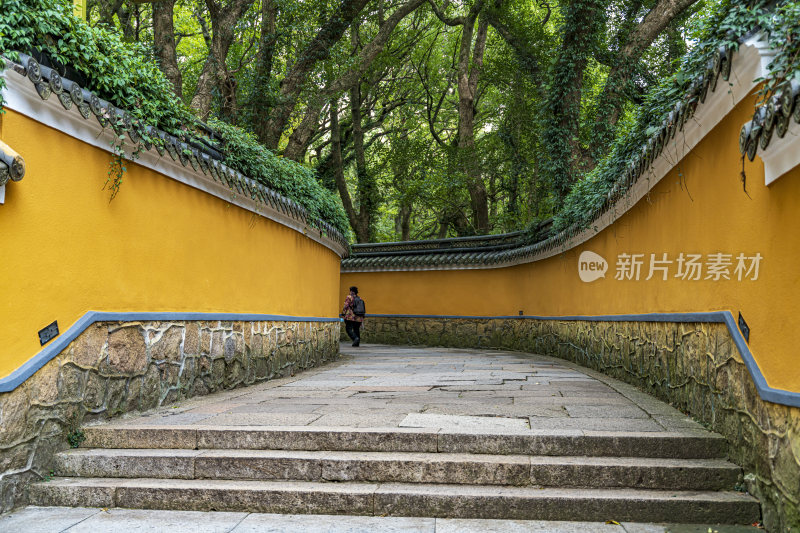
pixel 710 214
pixel 158 246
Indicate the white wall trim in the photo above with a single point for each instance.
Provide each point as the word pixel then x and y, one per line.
pixel 20 96
pixel 782 155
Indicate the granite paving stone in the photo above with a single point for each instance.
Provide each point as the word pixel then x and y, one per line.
pixel 463 422
pixel 687 528
pixel 360 420
pixel 115 520
pixel 454 525
pixel 388 388
pixel 605 424
pixel 45 519
pixel 677 422
pixel 465 390
pixel 313 399
pixel 512 411
pixel 330 384
pixel 274 407
pixel 262 419
pixel 371 408
pixel 266 523
pixel 445 399
pixel 609 401
pixel 590 393
pixel 136 521
pixel 476 390
pixel 214 409
pixel 599 411
pixel 170 418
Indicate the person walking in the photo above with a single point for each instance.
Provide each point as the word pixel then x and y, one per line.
pixel 353 313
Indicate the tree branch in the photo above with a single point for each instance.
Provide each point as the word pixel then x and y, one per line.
pixel 455 21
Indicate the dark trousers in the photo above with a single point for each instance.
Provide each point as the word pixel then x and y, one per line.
pixel 353 329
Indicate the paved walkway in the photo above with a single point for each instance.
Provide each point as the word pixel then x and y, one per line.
pixel 388 386
pixel 385 386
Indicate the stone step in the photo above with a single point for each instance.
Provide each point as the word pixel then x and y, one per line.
pixel 116 520
pixel 687 445
pixel 352 498
pixel 404 467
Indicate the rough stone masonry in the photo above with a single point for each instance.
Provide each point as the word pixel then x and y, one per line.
pixel 113 368
pixel 694 366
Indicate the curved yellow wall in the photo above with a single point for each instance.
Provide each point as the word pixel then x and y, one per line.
pixel 709 213
pixel 158 246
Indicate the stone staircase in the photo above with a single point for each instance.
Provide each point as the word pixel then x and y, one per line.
pixel 535 475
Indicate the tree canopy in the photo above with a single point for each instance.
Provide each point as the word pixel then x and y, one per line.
pixel 428 118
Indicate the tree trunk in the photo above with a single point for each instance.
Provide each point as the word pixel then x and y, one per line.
pixel 301 137
pixel 108 8
pixel 614 91
pixel 584 22
pixel 164 43
pixel 517 169
pixel 520 45
pixel 302 134
pixel 444 226
pixel 338 171
pixel 229 108
pixel 468 76
pixel 367 193
pixel 215 73
pixel 266 56
pixel 293 83
pixel 403 225
pixel 317 50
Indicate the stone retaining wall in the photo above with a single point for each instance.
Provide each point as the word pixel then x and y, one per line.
pixel 113 368
pixel 694 366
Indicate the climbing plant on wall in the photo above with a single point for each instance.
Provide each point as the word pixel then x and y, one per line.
pixel 720 30
pixel 559 96
pixel 124 74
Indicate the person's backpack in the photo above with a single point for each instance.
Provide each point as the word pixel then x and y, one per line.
pixel 359 309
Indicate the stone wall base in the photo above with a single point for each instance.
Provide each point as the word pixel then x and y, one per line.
pixel 113 368
pixel 693 366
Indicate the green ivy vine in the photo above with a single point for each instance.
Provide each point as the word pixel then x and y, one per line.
pixel 731 20
pixel 784 33
pixel 126 75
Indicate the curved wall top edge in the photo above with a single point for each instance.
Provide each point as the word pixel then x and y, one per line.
pixel 750 63
pixel 21 97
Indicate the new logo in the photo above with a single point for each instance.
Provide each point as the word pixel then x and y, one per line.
pixel 591 266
